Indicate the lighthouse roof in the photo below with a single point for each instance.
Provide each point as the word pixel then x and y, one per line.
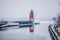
pixel 31 10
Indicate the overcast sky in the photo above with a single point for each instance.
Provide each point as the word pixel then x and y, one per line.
pixel 21 8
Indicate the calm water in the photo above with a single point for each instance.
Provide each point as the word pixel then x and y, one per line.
pixel 15 33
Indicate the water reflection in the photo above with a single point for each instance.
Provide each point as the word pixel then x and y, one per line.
pixel 16 33
pixel 20 34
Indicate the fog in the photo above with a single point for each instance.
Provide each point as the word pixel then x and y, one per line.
pixel 21 8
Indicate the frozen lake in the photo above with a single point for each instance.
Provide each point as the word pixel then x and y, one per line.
pixel 40 33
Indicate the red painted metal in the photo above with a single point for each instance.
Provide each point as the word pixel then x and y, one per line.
pixel 31 16
pixel 32 19
pixel 31 29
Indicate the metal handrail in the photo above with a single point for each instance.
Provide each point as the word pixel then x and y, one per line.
pixel 52 34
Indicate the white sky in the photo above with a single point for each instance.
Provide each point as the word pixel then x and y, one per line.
pixel 21 8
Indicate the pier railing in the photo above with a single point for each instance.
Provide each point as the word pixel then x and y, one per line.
pixel 52 34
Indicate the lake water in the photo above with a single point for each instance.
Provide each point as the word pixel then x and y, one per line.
pixel 15 33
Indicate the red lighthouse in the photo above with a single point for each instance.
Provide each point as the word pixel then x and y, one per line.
pixel 31 15
pixel 31 19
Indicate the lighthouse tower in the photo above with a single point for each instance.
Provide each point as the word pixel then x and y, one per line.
pixel 31 17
